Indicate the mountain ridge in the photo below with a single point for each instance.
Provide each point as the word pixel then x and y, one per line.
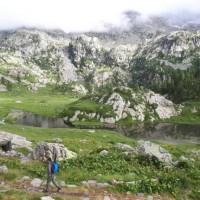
pixel 37 57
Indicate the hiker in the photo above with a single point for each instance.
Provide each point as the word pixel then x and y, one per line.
pixel 53 168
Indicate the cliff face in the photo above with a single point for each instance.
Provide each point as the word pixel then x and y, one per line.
pixel 36 57
pixel 163 62
pixel 122 103
pixel 175 49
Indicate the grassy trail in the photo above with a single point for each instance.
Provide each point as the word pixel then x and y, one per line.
pixel 78 193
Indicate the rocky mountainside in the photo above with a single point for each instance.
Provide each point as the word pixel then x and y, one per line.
pixel 33 58
pixel 121 103
pixel 175 50
pixel 164 59
pixel 36 57
pixel 170 64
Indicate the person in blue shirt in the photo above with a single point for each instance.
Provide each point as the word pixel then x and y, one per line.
pixel 51 176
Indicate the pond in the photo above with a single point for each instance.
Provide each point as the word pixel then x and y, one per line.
pixel 164 132
pixel 31 119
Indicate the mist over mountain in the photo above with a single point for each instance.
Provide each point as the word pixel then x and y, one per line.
pixel 178 20
pixel 101 98
pixel 155 51
pixel 94 15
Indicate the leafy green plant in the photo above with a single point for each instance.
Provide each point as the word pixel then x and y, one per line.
pixel 9 176
pixel 23 150
pixel 195 194
pixel 147 160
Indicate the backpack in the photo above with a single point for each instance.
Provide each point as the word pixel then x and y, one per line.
pixel 55 167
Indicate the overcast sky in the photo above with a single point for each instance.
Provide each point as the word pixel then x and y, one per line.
pixel 83 15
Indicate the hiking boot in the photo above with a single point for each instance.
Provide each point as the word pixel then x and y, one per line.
pixel 45 190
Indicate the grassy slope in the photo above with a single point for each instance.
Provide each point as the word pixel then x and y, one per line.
pixel 40 103
pixel 87 144
pixel 79 140
pixel 90 165
pixel 187 116
pixel 89 106
pixel 116 165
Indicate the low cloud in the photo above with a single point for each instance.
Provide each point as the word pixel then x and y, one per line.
pixel 88 15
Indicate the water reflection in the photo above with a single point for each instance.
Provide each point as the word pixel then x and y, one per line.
pixel 30 119
pixel 165 132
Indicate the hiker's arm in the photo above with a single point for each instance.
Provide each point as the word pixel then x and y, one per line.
pixel 49 169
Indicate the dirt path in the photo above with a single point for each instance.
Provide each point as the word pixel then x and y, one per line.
pixel 82 193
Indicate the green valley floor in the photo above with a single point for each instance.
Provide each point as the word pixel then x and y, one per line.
pixel 137 177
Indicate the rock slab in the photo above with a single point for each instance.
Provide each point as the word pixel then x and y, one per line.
pixel 46 198
pixel 16 140
pixel 3 169
pixel 36 182
pixel 151 149
pixel 45 150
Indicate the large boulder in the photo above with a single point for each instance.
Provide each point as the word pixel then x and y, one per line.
pixel 36 182
pixel 3 88
pixel 4 138
pixel 79 89
pixel 124 147
pixel 151 149
pixel 46 198
pixel 164 107
pixel 3 169
pixel 45 150
pixel 118 104
pixel 5 144
pixel 16 140
pixel 103 153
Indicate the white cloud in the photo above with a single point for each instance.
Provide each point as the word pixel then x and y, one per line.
pixel 82 15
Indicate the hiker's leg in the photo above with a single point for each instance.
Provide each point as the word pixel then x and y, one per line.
pixel 48 183
pixel 54 182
